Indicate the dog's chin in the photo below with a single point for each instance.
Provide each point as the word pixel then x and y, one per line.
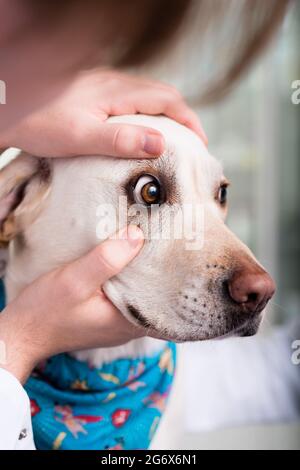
pixel 250 329
pixel 247 329
pixel 187 332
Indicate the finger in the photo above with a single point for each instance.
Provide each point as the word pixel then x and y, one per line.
pixel 89 272
pixel 181 113
pixel 123 140
pixel 172 106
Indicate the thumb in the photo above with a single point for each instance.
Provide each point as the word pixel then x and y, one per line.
pixel 123 140
pixel 106 260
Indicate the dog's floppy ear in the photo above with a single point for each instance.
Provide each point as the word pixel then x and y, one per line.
pixel 24 185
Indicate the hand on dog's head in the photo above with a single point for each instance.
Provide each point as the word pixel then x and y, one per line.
pixel 193 280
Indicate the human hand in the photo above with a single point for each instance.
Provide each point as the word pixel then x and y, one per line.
pixel 76 123
pixel 66 309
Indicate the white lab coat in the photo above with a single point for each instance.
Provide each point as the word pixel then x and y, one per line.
pixel 15 418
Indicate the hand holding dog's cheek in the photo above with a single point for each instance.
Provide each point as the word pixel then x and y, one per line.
pixel 66 310
pixel 76 124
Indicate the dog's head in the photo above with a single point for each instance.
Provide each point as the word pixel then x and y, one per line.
pixel 193 279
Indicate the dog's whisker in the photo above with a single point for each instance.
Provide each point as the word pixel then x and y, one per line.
pixel 272 303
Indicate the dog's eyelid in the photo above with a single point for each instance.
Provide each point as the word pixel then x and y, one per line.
pixel 225 183
pixel 149 183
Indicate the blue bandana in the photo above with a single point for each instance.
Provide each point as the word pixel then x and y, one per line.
pixel 116 406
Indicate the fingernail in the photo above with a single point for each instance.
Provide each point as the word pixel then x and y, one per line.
pixel 153 144
pixel 135 236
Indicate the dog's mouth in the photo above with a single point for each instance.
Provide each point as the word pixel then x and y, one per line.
pixel 247 328
pixel 199 327
pixel 151 330
pixel 140 318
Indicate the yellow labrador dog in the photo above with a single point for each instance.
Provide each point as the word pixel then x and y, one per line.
pixel 193 280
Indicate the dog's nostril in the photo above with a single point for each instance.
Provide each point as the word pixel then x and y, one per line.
pixel 252 297
pixel 251 288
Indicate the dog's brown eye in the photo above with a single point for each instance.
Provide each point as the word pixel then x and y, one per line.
pixel 150 193
pixel 147 191
pixel 222 194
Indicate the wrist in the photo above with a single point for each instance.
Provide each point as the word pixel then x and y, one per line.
pixel 16 354
pixel 18 368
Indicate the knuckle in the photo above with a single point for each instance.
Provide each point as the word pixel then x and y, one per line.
pixel 186 114
pixel 117 140
pixel 176 93
pixel 166 88
pixel 173 102
pixel 125 141
pixel 118 106
pixel 103 257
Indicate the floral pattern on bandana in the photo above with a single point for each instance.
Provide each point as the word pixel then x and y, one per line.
pixel 116 406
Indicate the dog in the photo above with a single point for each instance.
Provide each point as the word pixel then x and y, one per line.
pixel 179 288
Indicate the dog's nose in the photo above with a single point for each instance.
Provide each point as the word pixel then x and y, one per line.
pixel 253 290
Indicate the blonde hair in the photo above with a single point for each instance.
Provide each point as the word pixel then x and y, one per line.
pixel 139 31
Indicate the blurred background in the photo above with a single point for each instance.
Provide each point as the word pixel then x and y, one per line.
pixel 245 393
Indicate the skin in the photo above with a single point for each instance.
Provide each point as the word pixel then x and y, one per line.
pixel 41 68
pixel 76 123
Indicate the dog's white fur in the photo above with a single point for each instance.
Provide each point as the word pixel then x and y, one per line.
pixel 178 291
